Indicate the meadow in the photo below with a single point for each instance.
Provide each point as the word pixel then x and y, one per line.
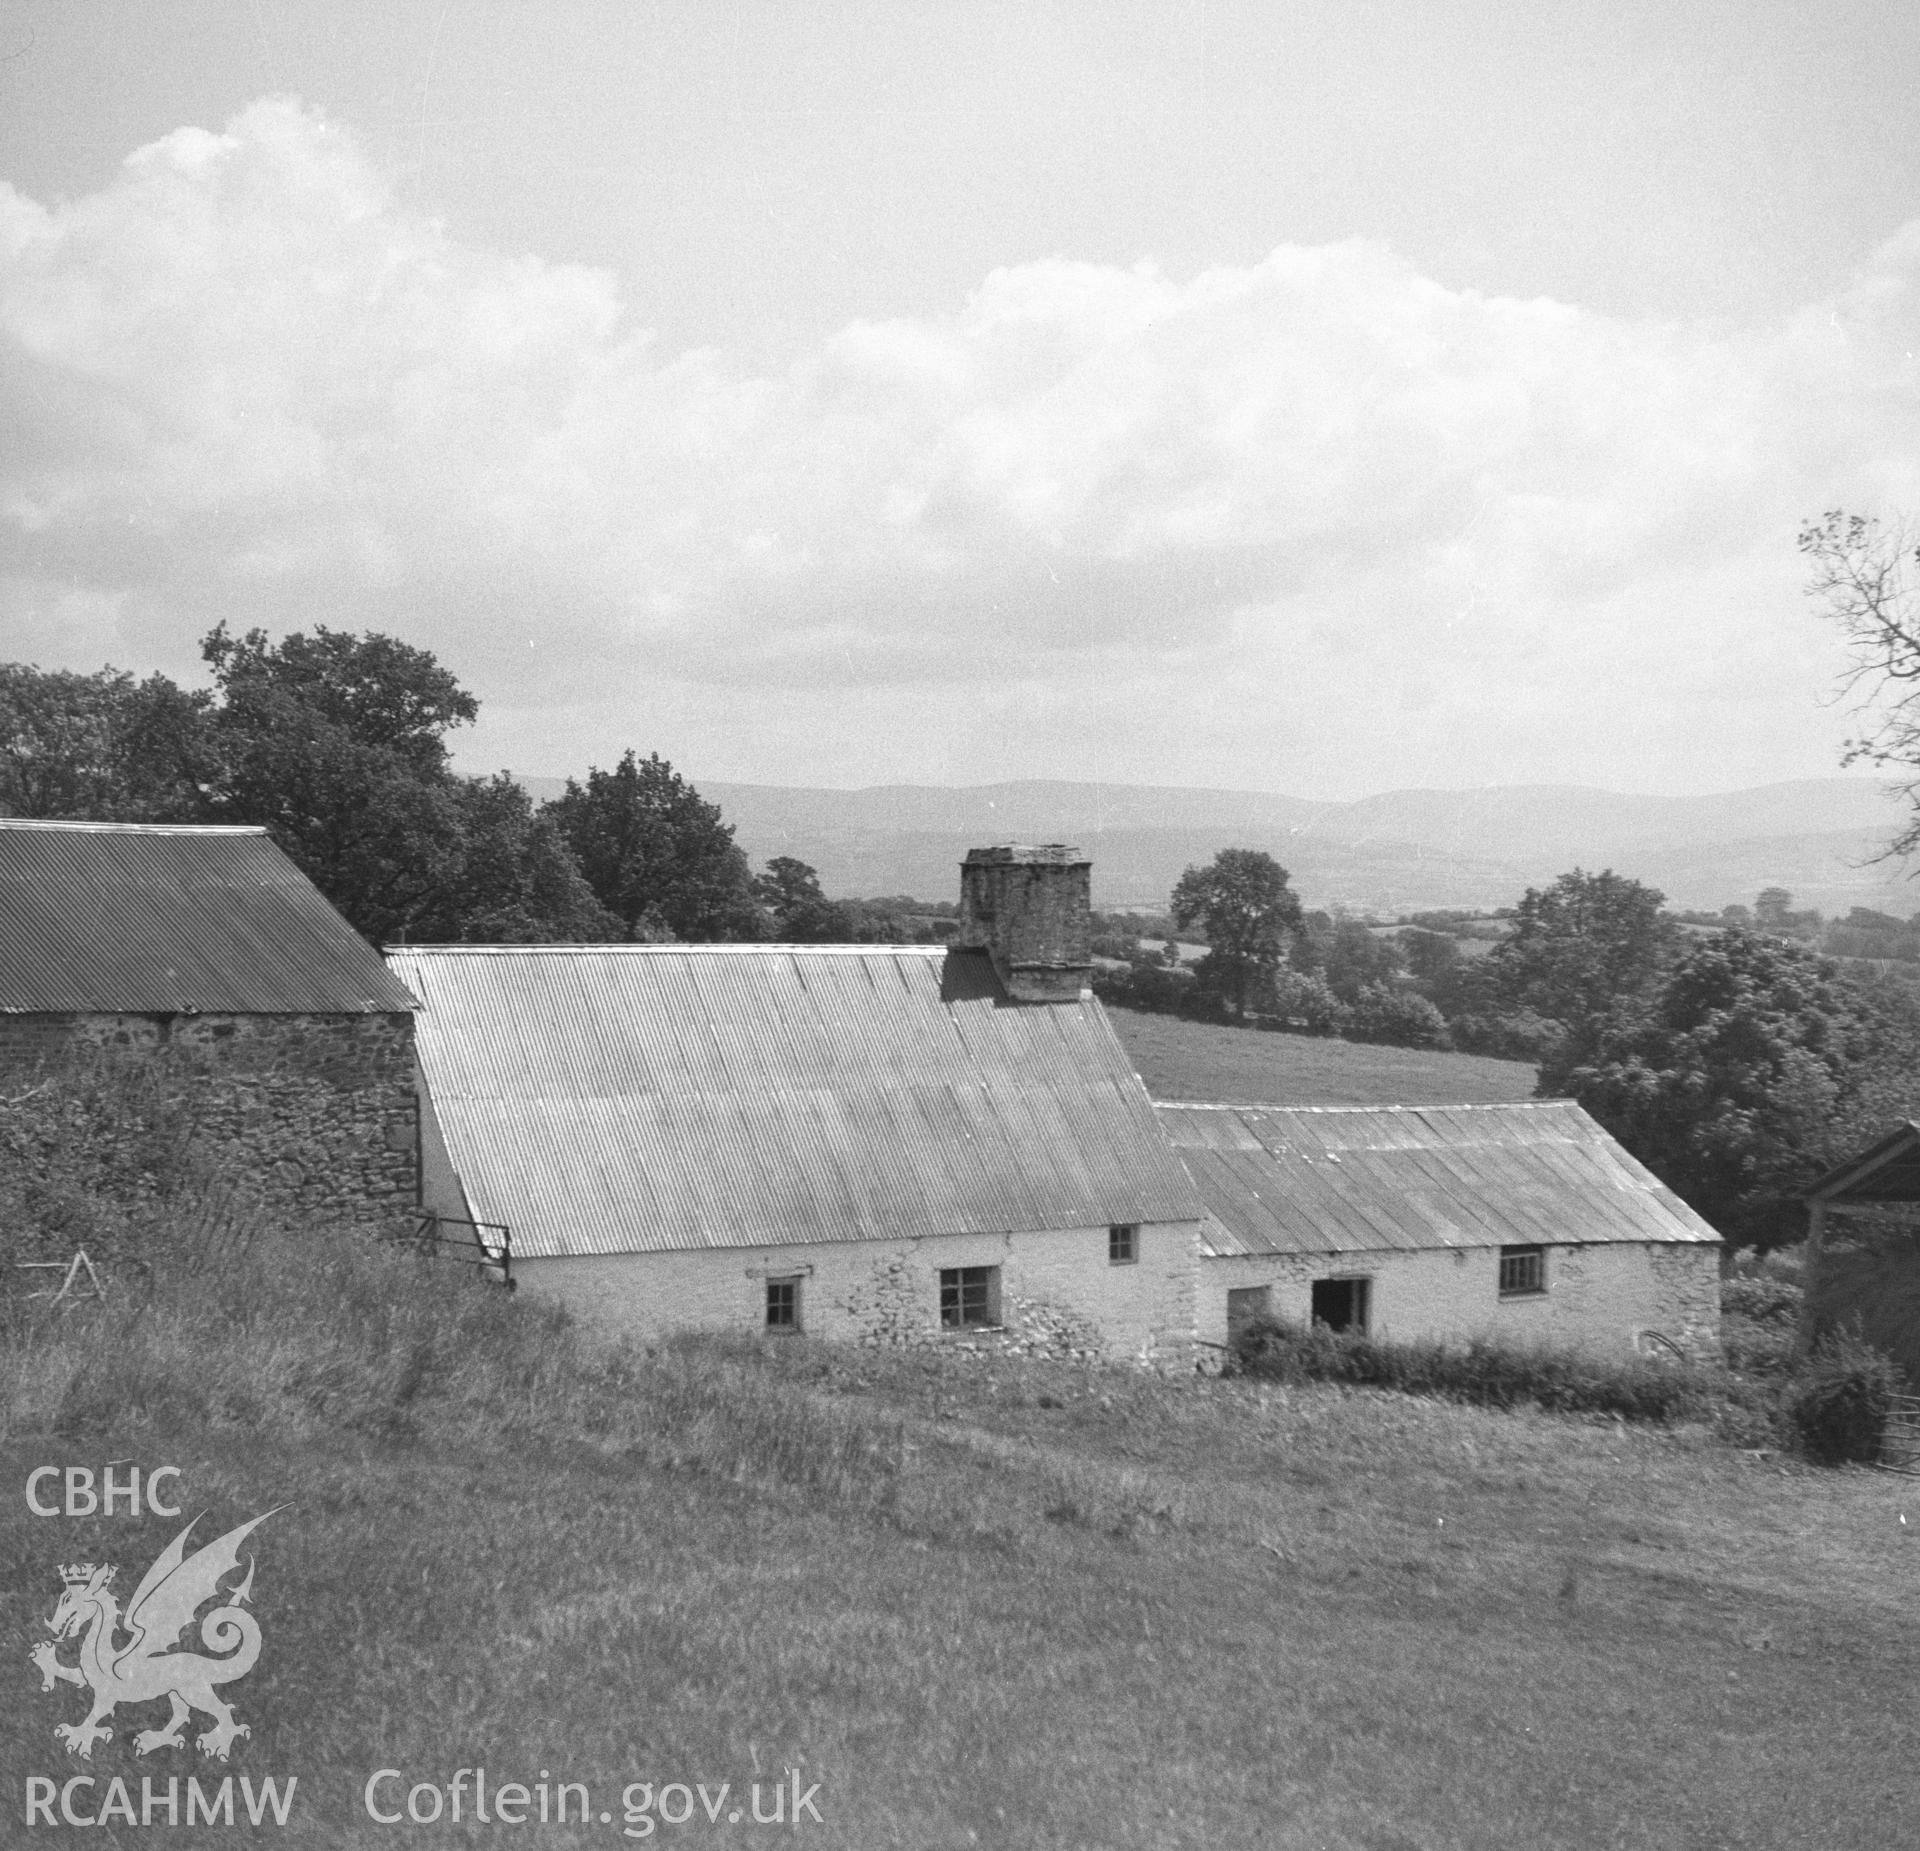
pixel 1206 1061
pixel 972 1602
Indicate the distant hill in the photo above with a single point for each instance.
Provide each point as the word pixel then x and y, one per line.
pixel 1397 852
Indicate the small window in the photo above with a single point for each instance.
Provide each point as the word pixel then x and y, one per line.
pixel 969 1297
pixel 1123 1245
pixel 783 1304
pixel 1523 1272
pixel 1247 1304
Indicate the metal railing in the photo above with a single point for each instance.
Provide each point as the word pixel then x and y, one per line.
pixel 493 1257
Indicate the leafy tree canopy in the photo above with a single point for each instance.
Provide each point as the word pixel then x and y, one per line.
pixel 1249 912
pixel 101 747
pixel 1347 954
pixel 1753 1068
pixel 336 745
pixel 516 881
pixel 1581 947
pixel 656 854
pixel 378 836
pixel 374 689
pixel 798 912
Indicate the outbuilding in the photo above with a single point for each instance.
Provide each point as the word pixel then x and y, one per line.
pixel 206 942
pixel 1526 1223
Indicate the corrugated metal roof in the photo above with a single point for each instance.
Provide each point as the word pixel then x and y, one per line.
pixel 619 1099
pixel 1887 1170
pixel 163 919
pixel 1373 1179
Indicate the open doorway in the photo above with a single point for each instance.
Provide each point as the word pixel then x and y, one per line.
pixel 1246 1304
pixel 1341 1304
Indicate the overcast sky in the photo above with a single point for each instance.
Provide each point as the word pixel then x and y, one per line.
pixel 1314 398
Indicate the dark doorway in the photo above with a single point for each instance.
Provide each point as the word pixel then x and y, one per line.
pixel 1341 1304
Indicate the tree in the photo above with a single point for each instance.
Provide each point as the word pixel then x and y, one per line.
pixel 381 840
pixel 1582 947
pixel 374 689
pixel 1861 578
pixel 1755 1067
pixel 1395 1018
pixel 516 881
pixel 336 743
pixel 800 913
pixel 1248 911
pixel 102 747
pixel 1347 953
pixel 656 854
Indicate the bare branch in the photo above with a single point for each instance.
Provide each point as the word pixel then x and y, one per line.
pixel 1862 579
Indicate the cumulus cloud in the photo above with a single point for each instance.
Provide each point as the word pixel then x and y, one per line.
pixel 242 382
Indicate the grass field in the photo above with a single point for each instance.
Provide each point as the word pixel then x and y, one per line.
pixel 1197 1060
pixel 976 1602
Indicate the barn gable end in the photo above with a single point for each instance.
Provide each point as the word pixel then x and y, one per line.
pixel 209 946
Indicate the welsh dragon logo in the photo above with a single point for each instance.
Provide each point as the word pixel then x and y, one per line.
pixel 143 1666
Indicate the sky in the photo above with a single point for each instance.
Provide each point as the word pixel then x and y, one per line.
pixel 1324 399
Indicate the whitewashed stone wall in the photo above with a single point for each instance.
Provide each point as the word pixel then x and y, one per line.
pixel 1599 1297
pixel 1059 1294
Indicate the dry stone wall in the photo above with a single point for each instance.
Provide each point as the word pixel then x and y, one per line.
pixel 315 1113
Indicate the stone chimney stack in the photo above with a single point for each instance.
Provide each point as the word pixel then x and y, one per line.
pixel 1029 908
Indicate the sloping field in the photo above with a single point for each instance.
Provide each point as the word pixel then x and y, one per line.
pixel 1198 1061
pixel 970 1602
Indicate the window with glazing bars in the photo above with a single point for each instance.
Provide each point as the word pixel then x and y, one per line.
pixel 1523 1271
pixel 967 1296
pixel 783 1304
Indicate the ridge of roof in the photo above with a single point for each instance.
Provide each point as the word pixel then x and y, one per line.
pixel 755 949
pixel 133 829
pixel 1254 1105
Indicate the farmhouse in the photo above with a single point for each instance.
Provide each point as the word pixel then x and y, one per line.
pixel 1521 1222
pixel 883 1143
pixel 211 944
pixel 880 1142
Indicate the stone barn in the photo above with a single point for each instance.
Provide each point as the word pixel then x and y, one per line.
pixel 867 1142
pixel 1525 1223
pixel 295 1039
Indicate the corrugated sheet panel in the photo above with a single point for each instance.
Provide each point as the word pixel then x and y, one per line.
pixel 162 920
pixel 1886 1171
pixel 639 1098
pixel 1337 1179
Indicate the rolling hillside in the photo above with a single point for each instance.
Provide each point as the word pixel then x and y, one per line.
pixel 1396 852
pixel 958 1601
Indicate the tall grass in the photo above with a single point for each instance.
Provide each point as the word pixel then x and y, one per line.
pixel 987 1601
pixel 296 1336
pixel 1482 1372
pixel 220 1317
pixel 1872 1286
